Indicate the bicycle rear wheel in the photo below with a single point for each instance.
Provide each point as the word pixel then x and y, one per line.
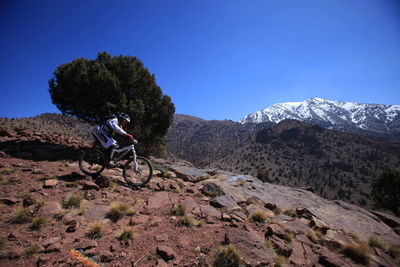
pixel 92 161
pixel 141 175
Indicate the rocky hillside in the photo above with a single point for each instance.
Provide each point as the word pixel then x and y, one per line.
pixel 55 216
pixel 374 120
pixel 336 165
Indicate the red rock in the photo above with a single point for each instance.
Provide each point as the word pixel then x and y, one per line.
pixel 166 253
pixel 106 256
pixel 50 241
pixel 302 255
pixel 56 247
pixel 161 263
pixel 250 245
pixel 274 229
pixel 50 183
pixel 89 244
pixel 162 237
pixel 138 220
pixel 26 132
pixel 7 132
pixel 9 200
pixel 209 211
pixel 189 203
pixel 89 185
pixel 3 154
pixel 280 246
pixel 158 200
pixel 50 208
pixel 329 259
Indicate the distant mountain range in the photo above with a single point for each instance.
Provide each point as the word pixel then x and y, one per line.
pixel 375 120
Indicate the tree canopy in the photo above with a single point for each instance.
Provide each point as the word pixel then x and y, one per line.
pixel 94 89
pixel 386 191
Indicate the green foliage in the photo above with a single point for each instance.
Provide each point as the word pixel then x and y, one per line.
pixel 93 89
pixel 30 251
pixel 386 191
pixel 126 234
pixel 73 201
pixel 94 231
pixel 117 211
pixel 357 252
pixel 38 223
pixel 178 210
pixel 263 175
pixel 21 215
pixel 258 216
pixel 376 242
pixel 227 256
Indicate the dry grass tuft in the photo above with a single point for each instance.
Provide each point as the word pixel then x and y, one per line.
pixel 117 211
pixel 30 251
pixel 94 231
pixel 227 256
pixel 38 223
pixel 21 215
pixel 376 242
pixel 178 210
pixel 73 201
pixel 258 216
pixel 126 234
pixel 357 252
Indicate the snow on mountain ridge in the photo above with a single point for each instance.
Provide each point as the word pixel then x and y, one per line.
pixel 332 114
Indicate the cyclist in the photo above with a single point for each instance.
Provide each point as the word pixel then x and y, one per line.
pixel 105 133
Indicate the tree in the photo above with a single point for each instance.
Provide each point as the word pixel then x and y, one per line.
pixel 94 89
pixel 263 175
pixel 386 191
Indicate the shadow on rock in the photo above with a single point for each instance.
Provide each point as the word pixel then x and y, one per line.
pixel 40 151
pixel 74 176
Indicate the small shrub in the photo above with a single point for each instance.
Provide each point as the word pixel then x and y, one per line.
pixel 125 235
pixel 227 256
pixel 82 210
pixel 288 237
pixel 21 215
pixel 375 242
pixel 205 250
pixel 276 210
pixel 320 234
pixel 281 261
pixel 3 246
pixel 73 201
pixel 117 211
pixel 22 195
pixel 189 222
pixel 249 201
pixel 7 171
pixel 178 210
pixel 38 204
pixel 258 216
pixel 59 216
pixel 312 236
pixel 94 231
pixel 38 223
pixel 269 244
pixel 357 252
pixel 30 251
pixel 290 213
pixel 354 236
pixel 394 252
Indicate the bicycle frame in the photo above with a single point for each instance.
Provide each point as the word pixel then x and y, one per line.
pixel 125 150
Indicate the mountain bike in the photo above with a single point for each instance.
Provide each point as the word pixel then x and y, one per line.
pixel 137 170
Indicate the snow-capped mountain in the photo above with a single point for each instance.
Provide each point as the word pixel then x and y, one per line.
pixel 337 115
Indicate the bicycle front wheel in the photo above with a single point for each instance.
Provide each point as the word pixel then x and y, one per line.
pixel 92 161
pixel 138 175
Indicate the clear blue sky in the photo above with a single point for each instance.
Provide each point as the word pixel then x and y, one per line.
pixel 216 59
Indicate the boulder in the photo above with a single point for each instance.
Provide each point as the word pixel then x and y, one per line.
pixel 329 258
pixel 226 202
pixel 96 213
pixel 275 230
pixel 138 220
pixel 302 255
pixel 51 183
pixel 158 200
pixel 250 245
pixel 209 211
pixel 7 132
pixel 50 208
pixel 166 253
pixel 189 173
pixel 390 220
pixel 89 185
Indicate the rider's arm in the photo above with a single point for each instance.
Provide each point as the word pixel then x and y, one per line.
pixel 113 124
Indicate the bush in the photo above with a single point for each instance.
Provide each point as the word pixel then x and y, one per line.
pixel 178 210
pixel 94 231
pixel 73 201
pixel 258 216
pixel 385 191
pixel 189 222
pixel 38 223
pixel 117 211
pixel 357 252
pixel 375 242
pixel 125 235
pixel 263 175
pixel 30 251
pixel 227 256
pixel 21 215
